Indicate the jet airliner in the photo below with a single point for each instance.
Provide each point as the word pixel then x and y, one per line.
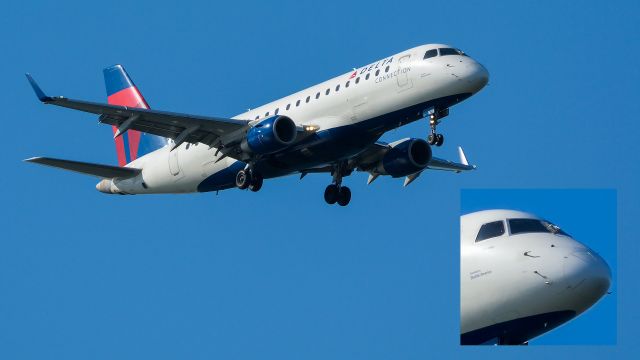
pixel 521 276
pixel 333 127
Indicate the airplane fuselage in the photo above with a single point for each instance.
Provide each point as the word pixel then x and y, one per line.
pixel 350 111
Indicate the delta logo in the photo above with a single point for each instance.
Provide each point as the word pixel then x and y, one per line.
pixel 379 64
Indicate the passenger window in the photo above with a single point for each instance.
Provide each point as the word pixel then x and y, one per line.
pixel 298 103
pixel 318 95
pixel 367 77
pixel 308 98
pixel 358 79
pixel 267 114
pixel 347 84
pixel 337 87
pixel 257 117
pixel 327 92
pixel 288 106
pixel 276 112
pixel 386 69
pixel 431 53
pixel 377 72
pixel 490 230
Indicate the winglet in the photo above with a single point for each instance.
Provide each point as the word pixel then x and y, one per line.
pixel 36 88
pixel 463 158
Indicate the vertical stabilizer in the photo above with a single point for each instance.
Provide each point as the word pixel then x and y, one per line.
pixel 122 91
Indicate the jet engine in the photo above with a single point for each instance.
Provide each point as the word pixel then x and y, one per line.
pixel 405 158
pixel 270 135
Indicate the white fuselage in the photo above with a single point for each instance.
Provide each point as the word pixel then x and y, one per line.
pixel 351 111
pixel 514 287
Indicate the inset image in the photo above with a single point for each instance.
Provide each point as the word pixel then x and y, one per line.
pixel 538 266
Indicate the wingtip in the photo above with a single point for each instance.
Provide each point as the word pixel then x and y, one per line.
pixel 34 159
pixel 36 88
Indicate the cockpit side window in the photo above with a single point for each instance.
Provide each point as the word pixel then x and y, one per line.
pixel 490 230
pixel 523 226
pixel 451 51
pixel 430 53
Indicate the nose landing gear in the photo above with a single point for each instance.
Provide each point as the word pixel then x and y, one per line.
pixel 434 119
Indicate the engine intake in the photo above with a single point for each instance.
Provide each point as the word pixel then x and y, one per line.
pixel 270 135
pixel 405 158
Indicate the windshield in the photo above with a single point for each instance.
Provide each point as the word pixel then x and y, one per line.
pixel 451 51
pixel 523 226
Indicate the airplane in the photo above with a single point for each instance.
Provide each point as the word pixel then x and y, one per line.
pixel 333 127
pixel 522 276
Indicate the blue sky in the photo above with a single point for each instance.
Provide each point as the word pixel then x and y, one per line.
pixel 279 274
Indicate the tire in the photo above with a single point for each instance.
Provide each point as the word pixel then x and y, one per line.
pixel 439 140
pixel 432 139
pixel 331 194
pixel 344 196
pixel 243 179
pixel 256 183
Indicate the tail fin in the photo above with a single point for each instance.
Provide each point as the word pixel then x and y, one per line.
pixel 122 91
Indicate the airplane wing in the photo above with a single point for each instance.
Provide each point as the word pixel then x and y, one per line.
pixel 367 160
pixel 99 170
pixel 212 131
pixel 441 164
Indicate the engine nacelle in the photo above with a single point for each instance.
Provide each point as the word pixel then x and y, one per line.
pixel 270 135
pixel 405 158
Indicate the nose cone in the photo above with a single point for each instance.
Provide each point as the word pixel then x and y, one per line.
pixel 476 76
pixel 588 277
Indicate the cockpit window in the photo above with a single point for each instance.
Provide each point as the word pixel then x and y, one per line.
pixel 430 53
pixel 522 226
pixel 490 230
pixel 451 51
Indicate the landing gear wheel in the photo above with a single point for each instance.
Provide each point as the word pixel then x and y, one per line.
pixel 331 194
pixel 243 179
pixel 344 196
pixel 439 139
pixel 432 139
pixel 256 182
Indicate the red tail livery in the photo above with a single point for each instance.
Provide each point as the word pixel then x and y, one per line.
pixel 122 91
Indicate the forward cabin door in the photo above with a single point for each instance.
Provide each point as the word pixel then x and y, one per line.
pixel 402 77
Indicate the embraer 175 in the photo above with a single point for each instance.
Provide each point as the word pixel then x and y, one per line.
pixel 332 127
pixel 521 276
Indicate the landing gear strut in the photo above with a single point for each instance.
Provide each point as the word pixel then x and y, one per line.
pixel 247 178
pixel 434 119
pixel 336 193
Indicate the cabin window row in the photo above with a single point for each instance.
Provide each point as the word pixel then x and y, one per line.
pixel 327 92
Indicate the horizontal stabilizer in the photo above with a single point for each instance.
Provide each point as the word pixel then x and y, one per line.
pixel 102 171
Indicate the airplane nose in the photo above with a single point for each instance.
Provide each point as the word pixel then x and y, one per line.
pixel 477 76
pixel 589 278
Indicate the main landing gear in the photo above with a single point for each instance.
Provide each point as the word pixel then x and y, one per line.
pixel 434 119
pixel 336 193
pixel 249 179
